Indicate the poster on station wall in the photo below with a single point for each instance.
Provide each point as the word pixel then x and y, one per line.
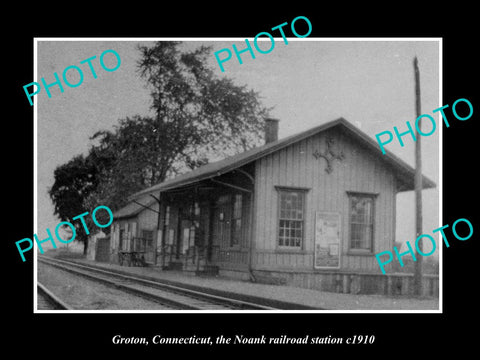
pixel 327 240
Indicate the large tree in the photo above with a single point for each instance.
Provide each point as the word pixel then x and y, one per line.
pixel 196 116
pixel 74 182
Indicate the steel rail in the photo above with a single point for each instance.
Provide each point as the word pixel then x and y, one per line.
pixel 56 302
pixel 193 294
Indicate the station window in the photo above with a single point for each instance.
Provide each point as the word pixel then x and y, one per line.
pixel 222 204
pixel 166 220
pixel 236 220
pixel 145 243
pixel 362 210
pixel 291 218
pixel 121 240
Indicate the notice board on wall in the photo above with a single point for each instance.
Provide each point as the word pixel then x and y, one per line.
pixel 327 240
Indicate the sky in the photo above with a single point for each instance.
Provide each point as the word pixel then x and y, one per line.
pixel 308 82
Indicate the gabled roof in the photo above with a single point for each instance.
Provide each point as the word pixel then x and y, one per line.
pixel 403 171
pixel 134 207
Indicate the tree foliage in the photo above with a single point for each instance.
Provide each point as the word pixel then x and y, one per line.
pixel 74 182
pixel 196 116
pixel 206 111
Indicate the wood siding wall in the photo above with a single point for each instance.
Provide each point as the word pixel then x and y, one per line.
pixel 295 166
pixel 147 220
pixel 144 220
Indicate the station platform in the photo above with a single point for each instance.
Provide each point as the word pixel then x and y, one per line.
pixel 287 297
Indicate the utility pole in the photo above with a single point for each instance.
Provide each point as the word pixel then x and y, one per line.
pixel 418 283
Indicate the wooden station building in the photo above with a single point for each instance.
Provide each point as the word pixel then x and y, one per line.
pixel 309 210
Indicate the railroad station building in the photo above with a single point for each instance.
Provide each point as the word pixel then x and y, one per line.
pixel 308 210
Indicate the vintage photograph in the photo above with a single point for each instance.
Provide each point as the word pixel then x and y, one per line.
pixel 164 184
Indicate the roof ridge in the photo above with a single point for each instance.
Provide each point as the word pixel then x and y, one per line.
pixel 235 161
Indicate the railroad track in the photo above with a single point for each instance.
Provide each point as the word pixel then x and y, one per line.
pixel 46 300
pixel 173 296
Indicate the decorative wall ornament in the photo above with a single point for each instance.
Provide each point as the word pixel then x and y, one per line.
pixel 329 155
